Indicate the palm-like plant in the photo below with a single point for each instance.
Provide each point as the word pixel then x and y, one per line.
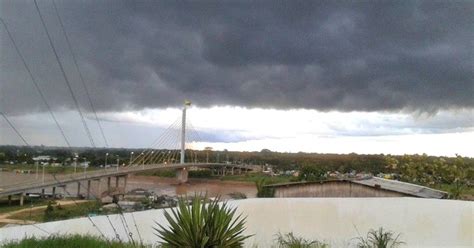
pixel 203 223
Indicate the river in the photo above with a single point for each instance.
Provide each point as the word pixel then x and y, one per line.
pixel 158 185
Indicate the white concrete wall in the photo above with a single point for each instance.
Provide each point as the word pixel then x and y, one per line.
pixel 422 222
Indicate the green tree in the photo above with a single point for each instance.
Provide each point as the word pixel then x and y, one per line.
pixel 263 191
pixel 312 173
pixel 49 212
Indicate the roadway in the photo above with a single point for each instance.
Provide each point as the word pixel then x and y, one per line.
pixel 58 181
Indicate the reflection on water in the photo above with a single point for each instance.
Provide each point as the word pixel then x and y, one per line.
pixel 169 186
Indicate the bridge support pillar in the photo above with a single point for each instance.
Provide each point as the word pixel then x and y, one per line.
pixel 117 180
pixel 88 194
pixel 182 175
pixel 232 171
pixel 99 193
pixel 22 198
pixel 53 194
pixel 78 189
pixel 108 184
pixel 9 200
pixel 125 178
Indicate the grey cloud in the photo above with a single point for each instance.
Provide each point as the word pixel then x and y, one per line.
pixel 411 55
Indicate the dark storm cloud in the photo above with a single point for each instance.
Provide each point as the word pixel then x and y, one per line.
pixel 411 55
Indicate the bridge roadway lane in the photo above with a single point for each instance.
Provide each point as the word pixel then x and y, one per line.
pixel 13 189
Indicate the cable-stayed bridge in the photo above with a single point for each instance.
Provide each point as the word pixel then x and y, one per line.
pixel 163 155
pixel 172 150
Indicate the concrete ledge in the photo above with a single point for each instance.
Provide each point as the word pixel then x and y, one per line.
pixel 422 222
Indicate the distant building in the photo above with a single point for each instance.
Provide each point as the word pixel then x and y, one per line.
pixel 46 158
pixel 85 164
pixel 364 187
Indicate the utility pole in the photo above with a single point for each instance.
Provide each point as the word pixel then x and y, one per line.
pixel 183 130
pixel 85 168
pixel 131 158
pixel 43 175
pixel 207 153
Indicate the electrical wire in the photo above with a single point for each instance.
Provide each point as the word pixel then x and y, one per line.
pixel 14 129
pixel 79 72
pixel 76 103
pixel 35 83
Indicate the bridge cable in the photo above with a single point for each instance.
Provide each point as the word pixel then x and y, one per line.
pixel 167 145
pixel 191 139
pixel 193 135
pixel 166 149
pixel 166 137
pixel 79 72
pixel 35 83
pixel 140 157
pixel 175 151
pixel 76 103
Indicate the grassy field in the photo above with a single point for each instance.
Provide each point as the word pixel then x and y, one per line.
pixel 74 241
pixel 254 177
pixel 15 204
pixel 60 212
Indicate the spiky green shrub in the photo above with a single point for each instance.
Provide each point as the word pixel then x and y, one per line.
pixel 289 240
pixel 380 239
pixel 203 223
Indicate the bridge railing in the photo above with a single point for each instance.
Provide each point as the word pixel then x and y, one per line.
pixel 111 171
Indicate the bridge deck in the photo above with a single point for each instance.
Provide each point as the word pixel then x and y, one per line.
pixel 19 188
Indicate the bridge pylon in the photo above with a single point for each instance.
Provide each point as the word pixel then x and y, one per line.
pixel 183 131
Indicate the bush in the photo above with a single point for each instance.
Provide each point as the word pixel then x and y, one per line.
pixel 59 212
pixel 289 240
pixel 379 239
pixel 75 241
pixel 203 223
pixel 263 191
pixel 200 174
pixel 48 212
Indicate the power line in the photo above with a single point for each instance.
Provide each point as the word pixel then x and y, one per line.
pixel 14 129
pixel 65 76
pixel 27 144
pixel 79 71
pixel 35 83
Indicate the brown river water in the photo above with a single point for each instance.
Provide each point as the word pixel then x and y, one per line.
pixel 159 185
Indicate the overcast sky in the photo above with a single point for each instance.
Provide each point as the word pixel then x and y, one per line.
pixel 317 76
